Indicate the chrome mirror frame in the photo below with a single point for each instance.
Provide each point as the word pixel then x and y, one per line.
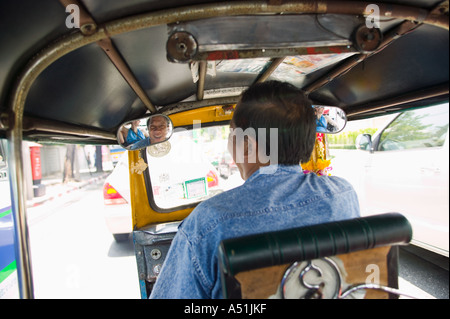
pixel 330 119
pixel 146 132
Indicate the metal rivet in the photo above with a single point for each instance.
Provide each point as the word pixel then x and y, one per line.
pixel 155 253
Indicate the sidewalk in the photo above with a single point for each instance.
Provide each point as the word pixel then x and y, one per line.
pixel 55 188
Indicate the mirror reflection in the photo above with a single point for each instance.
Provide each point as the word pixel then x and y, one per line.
pixel 140 133
pixel 158 128
pixel 329 119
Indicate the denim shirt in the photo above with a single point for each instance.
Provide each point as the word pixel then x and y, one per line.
pixel 287 198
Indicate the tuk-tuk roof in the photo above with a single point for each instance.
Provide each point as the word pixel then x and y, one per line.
pixel 79 83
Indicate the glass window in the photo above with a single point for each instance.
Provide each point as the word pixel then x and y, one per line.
pixel 419 128
pixel 192 166
pixel 4 181
pixel 2 156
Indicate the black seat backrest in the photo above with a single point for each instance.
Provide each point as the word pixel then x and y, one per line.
pixel 238 256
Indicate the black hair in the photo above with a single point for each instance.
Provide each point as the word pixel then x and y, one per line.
pixel 280 105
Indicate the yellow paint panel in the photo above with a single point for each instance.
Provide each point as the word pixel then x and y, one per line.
pixel 207 114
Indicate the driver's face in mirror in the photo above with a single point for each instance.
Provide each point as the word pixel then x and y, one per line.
pixel 158 129
pixel 138 134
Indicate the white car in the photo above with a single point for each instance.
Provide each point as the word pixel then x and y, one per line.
pixel 405 169
pixel 116 196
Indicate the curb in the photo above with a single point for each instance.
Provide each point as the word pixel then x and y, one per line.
pixel 41 200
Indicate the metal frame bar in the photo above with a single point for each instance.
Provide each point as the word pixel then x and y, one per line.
pixel 272 67
pixel 77 40
pixel 352 61
pixel 272 53
pixel 437 91
pixel 116 58
pixel 202 68
pixel 30 124
pixel 88 26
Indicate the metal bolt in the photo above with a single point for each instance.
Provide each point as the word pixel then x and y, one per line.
pixel 155 253
pixel 157 269
pixel 88 28
pixel 181 47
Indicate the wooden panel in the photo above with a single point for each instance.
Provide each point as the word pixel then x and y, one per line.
pixel 368 265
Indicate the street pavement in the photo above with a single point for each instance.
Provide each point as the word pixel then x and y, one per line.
pixel 55 188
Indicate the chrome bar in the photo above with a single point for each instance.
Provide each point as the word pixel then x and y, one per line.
pixel 30 123
pixel 18 205
pixel 15 158
pixel 390 290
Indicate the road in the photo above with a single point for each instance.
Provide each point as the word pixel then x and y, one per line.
pixel 428 271
pixel 74 255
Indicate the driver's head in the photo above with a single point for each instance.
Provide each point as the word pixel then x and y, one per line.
pixel 280 105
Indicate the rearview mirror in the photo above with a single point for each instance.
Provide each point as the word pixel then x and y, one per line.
pixel 329 119
pixel 146 131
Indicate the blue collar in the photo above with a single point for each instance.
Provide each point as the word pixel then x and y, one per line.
pixel 275 169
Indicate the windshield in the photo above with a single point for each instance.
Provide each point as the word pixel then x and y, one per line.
pixel 192 166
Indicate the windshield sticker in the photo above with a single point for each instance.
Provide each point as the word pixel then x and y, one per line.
pixel 195 188
pixel 294 66
pixel 217 93
pixel 288 70
pixel 253 66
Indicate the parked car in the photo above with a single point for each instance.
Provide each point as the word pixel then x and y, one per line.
pixel 406 170
pixel 116 196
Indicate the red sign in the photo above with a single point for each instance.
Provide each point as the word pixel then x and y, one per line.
pixel 36 171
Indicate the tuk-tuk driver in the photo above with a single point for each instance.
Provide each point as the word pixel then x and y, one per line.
pixel 158 129
pixel 276 194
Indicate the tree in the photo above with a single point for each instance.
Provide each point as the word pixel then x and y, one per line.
pixel 98 158
pixel 69 163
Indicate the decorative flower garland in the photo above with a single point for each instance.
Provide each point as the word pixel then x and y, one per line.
pixel 318 162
